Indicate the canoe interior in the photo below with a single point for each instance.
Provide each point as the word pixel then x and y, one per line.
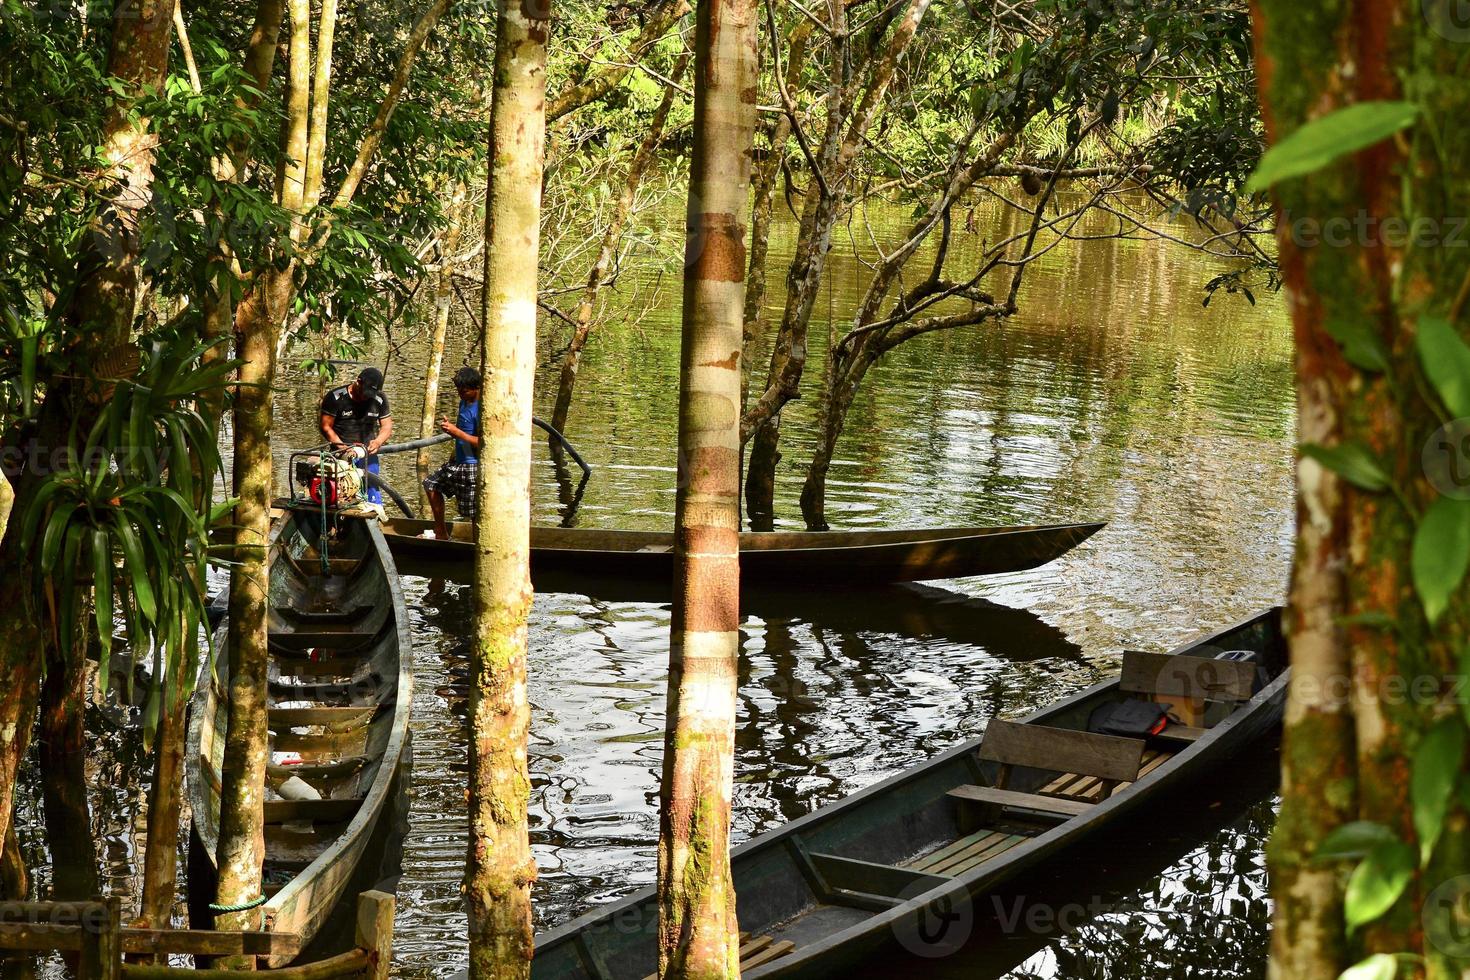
pixel 339 694
pixel 816 893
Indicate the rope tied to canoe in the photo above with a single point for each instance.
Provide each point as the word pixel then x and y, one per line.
pixel 254 903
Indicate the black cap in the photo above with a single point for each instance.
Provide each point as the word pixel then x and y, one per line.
pixel 370 381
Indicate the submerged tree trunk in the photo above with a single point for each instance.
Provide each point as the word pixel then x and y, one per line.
pixel 242 830
pixel 644 155
pixel 165 796
pixel 500 868
pixel 1364 695
pixel 698 931
pixel 62 751
pixel 443 303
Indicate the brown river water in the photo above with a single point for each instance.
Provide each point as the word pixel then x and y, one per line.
pixel 1113 396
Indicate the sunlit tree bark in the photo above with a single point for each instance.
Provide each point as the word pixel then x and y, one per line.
pixel 500 868
pixel 1349 738
pixel 698 931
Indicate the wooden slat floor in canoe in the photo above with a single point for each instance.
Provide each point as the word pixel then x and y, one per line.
pixel 973 850
pixel 755 952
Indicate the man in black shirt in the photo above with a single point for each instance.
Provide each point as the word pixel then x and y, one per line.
pixel 357 414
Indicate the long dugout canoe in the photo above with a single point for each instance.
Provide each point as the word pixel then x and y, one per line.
pixel 907 862
pixel 340 686
pixel 811 558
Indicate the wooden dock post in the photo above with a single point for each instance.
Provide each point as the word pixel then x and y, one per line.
pixel 100 952
pixel 375 930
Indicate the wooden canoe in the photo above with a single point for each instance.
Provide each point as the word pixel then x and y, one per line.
pixel 341 682
pixel 903 860
pixel 785 558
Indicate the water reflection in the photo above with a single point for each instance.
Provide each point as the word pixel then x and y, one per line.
pixel 1113 396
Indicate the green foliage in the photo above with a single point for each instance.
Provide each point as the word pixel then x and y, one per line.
pixel 1441 554
pixel 1445 357
pixel 128 510
pixel 1437 763
pixel 1352 461
pixel 1326 138
pixel 1379 966
pixel 1377 882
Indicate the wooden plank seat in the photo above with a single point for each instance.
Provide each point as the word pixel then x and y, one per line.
pixel 338 693
pixel 298 642
pixel 351 614
pixel 968 852
pixel 755 951
pixel 1108 759
pixel 333 719
pixel 330 769
pixel 1078 786
pixel 336 667
pixel 317 811
pixel 1186 682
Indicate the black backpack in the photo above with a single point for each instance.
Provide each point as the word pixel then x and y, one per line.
pixel 1130 718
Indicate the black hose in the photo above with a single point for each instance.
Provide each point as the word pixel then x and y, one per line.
pixel 571 450
pixel 404 447
pixel 374 480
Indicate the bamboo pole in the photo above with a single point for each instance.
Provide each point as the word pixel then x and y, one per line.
pixel 500 867
pixel 698 932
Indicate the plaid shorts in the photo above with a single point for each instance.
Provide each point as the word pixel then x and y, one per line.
pixel 456 480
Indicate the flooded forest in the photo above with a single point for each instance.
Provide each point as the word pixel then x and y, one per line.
pixel 588 490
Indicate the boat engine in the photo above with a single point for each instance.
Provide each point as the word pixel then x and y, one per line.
pixel 335 481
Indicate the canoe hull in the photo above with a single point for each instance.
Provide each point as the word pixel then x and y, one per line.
pixel 314 868
pixel 786 879
pixel 784 558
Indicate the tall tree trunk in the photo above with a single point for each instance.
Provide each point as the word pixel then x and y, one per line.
pixel 698 931
pixel 501 869
pixel 443 303
pixel 1348 737
pixel 644 155
pixel 62 751
pixel 165 797
pixel 242 827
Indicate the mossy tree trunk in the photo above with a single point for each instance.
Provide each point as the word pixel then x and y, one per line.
pixel 500 868
pixel 241 848
pixel 698 931
pixel 1364 695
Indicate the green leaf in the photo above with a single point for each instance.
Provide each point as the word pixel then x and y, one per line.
pixel 137 568
pixel 1362 347
pixel 1441 554
pixel 1354 840
pixel 1322 140
pixel 1446 360
pixel 1352 461
pixel 1378 882
pixel 102 584
pixel 1379 966
pixel 1432 782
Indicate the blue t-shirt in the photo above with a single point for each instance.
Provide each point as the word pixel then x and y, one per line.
pixel 469 423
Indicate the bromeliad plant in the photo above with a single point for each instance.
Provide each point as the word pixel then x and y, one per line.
pixel 127 511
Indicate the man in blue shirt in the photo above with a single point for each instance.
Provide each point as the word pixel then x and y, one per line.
pixel 457 477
